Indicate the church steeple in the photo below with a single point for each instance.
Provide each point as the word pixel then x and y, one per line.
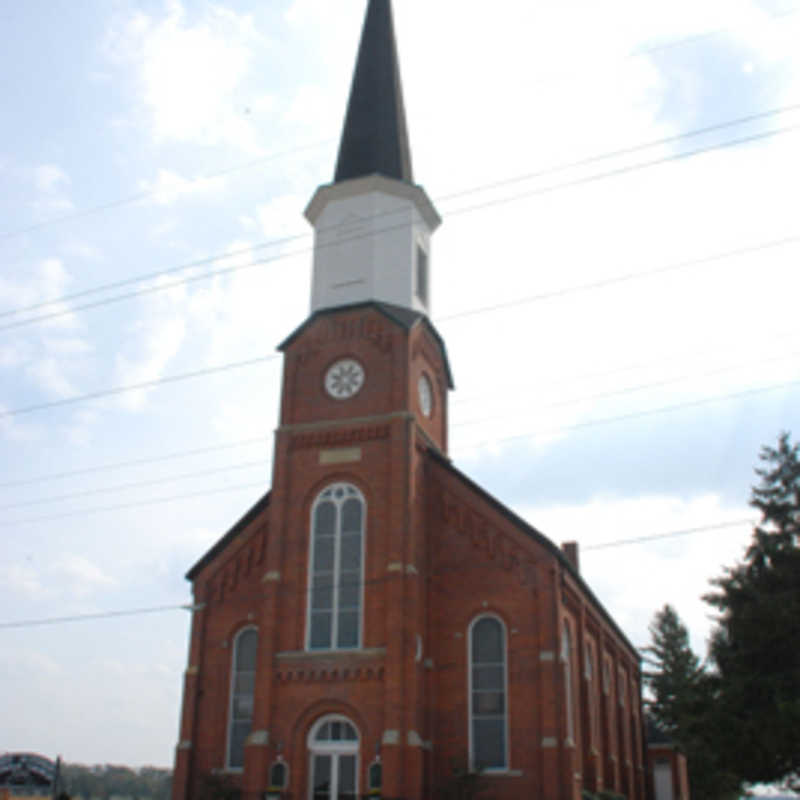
pixel 375 137
pixel 373 225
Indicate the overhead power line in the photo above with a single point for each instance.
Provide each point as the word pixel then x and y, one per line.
pixel 155 501
pixel 135 198
pixel 31 623
pixel 631 389
pixel 736 523
pixel 466 448
pixel 200 373
pixel 223 446
pixel 136 462
pixel 486 187
pixel 633 415
pixel 593 285
pixel 262 463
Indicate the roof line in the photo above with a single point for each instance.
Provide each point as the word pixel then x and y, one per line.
pixel 222 543
pixel 537 536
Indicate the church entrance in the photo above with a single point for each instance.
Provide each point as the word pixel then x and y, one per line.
pixel 333 753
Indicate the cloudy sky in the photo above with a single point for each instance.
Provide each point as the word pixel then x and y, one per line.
pixel 616 280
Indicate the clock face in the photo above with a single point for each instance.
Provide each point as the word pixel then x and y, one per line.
pixel 344 379
pixel 425 395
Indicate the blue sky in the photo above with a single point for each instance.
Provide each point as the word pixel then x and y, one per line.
pixel 204 128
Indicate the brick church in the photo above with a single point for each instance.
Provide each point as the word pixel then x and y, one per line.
pixel 377 624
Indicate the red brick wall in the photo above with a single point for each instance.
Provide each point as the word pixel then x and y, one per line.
pixel 438 553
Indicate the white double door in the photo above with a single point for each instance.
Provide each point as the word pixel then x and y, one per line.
pixel 334 776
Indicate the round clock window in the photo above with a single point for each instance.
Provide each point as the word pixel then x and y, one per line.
pixel 425 395
pixel 344 379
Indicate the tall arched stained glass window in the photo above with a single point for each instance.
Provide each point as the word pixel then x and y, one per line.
pixel 336 569
pixel 243 681
pixel 488 715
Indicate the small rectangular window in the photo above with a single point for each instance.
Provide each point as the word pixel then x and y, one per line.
pixel 422 275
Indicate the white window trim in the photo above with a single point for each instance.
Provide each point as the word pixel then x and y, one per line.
pixel 337 553
pixel 285 764
pixel 343 748
pixel 506 754
pixel 231 680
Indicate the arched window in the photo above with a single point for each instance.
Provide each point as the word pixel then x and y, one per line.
pixel 278 776
pixel 591 692
pixel 487 686
pixel 243 680
pixel 336 569
pixel 375 777
pixel 566 659
pixel 333 750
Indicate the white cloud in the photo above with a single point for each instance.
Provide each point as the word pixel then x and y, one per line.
pixel 21 579
pixel 168 186
pixel 190 74
pixel 52 183
pixel 634 581
pixel 158 342
pixel 79 576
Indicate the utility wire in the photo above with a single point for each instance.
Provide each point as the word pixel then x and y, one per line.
pixel 625 417
pixel 180 454
pixel 371 581
pixel 132 612
pixel 138 504
pixel 136 386
pixel 466 448
pixel 576 288
pixel 262 463
pixel 669 534
pixel 53 476
pixel 636 53
pixel 456 212
pixel 598 157
pixel 629 389
pixel 135 198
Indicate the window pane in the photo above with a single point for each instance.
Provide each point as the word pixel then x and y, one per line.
pixel 348 629
pixel 491 703
pixel 351 516
pixel 349 732
pixel 243 707
pixel 322 777
pixel 350 557
pixel 488 743
pixel 246 650
pixel 325 519
pixel 347 778
pixel 322 596
pixel 375 776
pixel 277 776
pixel 323 553
pixel 324 733
pixel 349 591
pixel 321 626
pixel 488 677
pixel 487 641
pixel 239 732
pixel 244 683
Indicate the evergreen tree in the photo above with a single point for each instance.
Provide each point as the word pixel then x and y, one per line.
pixel 755 644
pixel 682 706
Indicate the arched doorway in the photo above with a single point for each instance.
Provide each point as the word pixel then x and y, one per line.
pixel 333 759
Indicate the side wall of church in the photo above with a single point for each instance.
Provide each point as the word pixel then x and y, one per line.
pixel 561 738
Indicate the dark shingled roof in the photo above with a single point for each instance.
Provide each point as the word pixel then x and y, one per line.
pixel 537 536
pixel 405 317
pixel 375 138
pixel 260 505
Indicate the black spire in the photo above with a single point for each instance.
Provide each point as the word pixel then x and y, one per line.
pixel 375 139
